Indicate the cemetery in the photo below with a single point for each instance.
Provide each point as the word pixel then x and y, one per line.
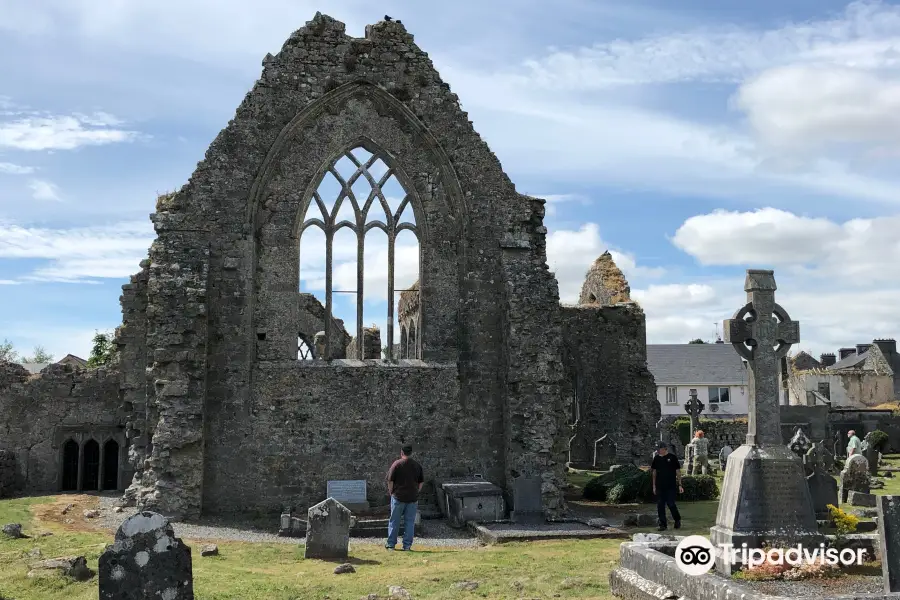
pixel 239 446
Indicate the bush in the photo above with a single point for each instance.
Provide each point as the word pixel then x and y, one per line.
pixel 879 440
pixel 626 484
pixel 699 487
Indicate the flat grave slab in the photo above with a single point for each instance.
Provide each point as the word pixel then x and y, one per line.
pixel 503 532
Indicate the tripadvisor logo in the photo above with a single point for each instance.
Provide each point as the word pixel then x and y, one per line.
pixel 695 555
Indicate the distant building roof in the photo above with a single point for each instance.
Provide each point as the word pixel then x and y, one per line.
pixel 71 359
pixel 687 364
pixel 851 362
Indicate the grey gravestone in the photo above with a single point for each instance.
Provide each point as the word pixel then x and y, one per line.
pixel 528 506
pixel 889 541
pixel 861 499
pixel 824 491
pixel 146 561
pixel 871 454
pixel 855 476
pixel 765 497
pixel 328 530
pixel 349 492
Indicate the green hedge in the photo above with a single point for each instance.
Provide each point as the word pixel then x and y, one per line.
pixel 699 487
pixel 629 484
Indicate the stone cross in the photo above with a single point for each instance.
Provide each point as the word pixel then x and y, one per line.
pixel 762 332
pixel 694 407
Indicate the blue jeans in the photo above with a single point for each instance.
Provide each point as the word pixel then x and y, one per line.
pixel 407 512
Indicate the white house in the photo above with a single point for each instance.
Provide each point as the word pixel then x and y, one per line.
pixel 716 371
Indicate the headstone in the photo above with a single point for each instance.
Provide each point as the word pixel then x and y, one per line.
pixel 799 443
pixel 146 561
pixel 349 492
pixel 836 445
pixel 528 506
pixel 855 476
pixel 889 541
pixel 861 499
pixel 328 530
pixel 871 454
pixel 824 491
pixel 694 407
pixel 765 497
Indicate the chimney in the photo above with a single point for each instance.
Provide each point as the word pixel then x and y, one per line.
pixel 887 346
pixel 862 348
pixel 827 359
pixel 845 352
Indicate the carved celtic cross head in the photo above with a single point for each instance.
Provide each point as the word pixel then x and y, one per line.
pixel 694 406
pixel 761 326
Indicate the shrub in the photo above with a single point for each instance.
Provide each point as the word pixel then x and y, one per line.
pixel 626 484
pixel 843 522
pixel 879 440
pixel 699 487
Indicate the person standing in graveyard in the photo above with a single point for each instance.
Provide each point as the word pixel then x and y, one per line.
pixel 701 453
pixel 665 473
pixel 853 446
pixel 724 453
pixel 404 481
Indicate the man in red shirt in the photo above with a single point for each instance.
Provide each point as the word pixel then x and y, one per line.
pixel 404 481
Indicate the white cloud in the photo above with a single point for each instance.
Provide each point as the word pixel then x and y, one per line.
pixel 60 132
pixel 43 190
pixel 859 250
pixel 802 107
pixel 79 255
pixel 866 35
pixel 571 253
pixel 12 169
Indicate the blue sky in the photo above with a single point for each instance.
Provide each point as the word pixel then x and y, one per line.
pixel 693 142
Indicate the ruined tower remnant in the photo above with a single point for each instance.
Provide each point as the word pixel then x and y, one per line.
pixel 605 283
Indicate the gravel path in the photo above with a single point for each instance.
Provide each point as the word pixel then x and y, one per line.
pixel 812 589
pixel 439 533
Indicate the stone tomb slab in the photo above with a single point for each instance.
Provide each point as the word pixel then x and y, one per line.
pixel 349 492
pixel 471 500
pixel 146 561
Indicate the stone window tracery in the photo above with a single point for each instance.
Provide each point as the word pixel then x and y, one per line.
pixel 372 251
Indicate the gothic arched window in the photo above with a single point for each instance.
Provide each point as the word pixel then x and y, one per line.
pixel 372 248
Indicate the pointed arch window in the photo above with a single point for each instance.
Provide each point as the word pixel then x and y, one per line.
pixel 358 192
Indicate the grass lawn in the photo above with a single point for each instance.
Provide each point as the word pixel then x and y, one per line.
pixel 250 571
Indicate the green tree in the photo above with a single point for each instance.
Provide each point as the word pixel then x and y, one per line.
pixel 696 341
pixel 40 356
pixel 8 352
pixel 103 351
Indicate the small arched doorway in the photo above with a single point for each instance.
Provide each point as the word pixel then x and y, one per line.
pixel 70 466
pixel 91 468
pixel 111 465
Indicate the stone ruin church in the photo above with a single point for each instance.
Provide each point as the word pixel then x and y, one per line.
pixel 211 409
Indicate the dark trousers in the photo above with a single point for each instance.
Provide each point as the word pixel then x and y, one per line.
pixel 666 497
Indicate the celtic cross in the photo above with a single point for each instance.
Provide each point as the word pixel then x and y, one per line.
pixel 762 332
pixel 694 407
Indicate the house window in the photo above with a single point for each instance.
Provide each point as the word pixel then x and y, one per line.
pixel 825 389
pixel 671 395
pixel 719 395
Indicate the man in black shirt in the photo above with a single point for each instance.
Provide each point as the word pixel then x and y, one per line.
pixel 665 472
pixel 404 482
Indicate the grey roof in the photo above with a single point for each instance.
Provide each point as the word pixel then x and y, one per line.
pixel 687 364
pixel 34 368
pixel 854 360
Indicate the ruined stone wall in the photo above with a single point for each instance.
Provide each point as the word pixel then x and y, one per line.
pixel 38 413
pixel 606 362
pixel 848 388
pixel 222 291
pixel 309 426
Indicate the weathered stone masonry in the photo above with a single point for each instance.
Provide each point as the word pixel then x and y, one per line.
pixel 221 415
pixel 41 414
